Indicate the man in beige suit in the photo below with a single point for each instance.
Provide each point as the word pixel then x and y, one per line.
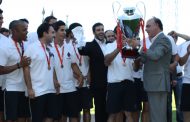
pixel 156 70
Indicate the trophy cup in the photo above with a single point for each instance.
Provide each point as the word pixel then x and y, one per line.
pixel 130 23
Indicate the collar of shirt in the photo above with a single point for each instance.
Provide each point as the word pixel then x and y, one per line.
pixel 100 42
pixel 154 38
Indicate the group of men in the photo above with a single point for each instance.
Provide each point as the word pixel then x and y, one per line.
pixel 53 74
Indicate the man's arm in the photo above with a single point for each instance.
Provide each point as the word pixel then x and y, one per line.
pixel 183 36
pixel 25 61
pixel 28 82
pixel 77 74
pixel 84 50
pixel 110 57
pixel 184 59
pixel 56 82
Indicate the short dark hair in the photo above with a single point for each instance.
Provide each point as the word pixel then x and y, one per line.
pixel 58 24
pixel 71 27
pixel 95 25
pixel 13 24
pixel 24 20
pixel 1 11
pixel 48 18
pixel 44 27
pixel 159 22
pixel 2 30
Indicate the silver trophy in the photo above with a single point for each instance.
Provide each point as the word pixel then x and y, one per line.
pixel 130 23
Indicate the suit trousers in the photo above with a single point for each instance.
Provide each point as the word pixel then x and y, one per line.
pixel 158 106
pixel 99 95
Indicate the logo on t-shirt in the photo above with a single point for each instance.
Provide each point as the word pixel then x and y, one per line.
pixel 68 55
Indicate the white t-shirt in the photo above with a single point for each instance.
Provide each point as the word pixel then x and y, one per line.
pixel 9 55
pixel 65 74
pixel 174 46
pixel 3 41
pixel 41 77
pixel 186 77
pixel 32 37
pixel 102 45
pixel 84 67
pixel 116 70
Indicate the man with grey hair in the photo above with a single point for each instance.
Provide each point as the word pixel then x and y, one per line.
pixel 156 70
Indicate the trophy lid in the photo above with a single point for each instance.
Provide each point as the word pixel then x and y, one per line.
pixel 129 10
pixel 129 14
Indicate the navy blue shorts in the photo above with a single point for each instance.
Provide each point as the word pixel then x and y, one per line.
pixel 121 97
pixel 69 104
pixel 185 98
pixel 16 105
pixel 44 106
pixel 1 100
pixel 141 94
pixel 85 98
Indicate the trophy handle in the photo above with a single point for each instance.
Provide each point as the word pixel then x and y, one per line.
pixel 137 6
pixel 115 13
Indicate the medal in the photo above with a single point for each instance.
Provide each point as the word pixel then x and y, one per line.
pixel 49 68
pixel 124 64
pixel 61 65
pixel 80 64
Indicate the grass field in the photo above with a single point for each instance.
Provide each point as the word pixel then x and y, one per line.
pixel 173 110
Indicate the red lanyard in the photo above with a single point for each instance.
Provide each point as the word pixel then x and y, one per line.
pixel 60 56
pixel 123 59
pixel 18 50
pixel 47 58
pixel 79 57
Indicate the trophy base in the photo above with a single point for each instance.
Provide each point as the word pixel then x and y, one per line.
pixel 130 53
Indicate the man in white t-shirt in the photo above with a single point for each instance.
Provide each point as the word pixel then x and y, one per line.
pixel 76 33
pixel 11 63
pixel 185 98
pixel 66 68
pixel 121 94
pixel 3 40
pixel 40 77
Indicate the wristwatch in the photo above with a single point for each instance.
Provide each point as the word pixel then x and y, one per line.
pixel 176 63
pixel 18 65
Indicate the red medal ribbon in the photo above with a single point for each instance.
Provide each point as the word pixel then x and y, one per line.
pixel 79 57
pixel 18 50
pixel 47 58
pixel 144 41
pixel 59 55
pixel 119 41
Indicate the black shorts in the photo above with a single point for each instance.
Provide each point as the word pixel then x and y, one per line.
pixel 16 105
pixel 1 101
pixel 44 106
pixel 121 97
pixel 85 98
pixel 69 104
pixel 185 98
pixel 141 94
